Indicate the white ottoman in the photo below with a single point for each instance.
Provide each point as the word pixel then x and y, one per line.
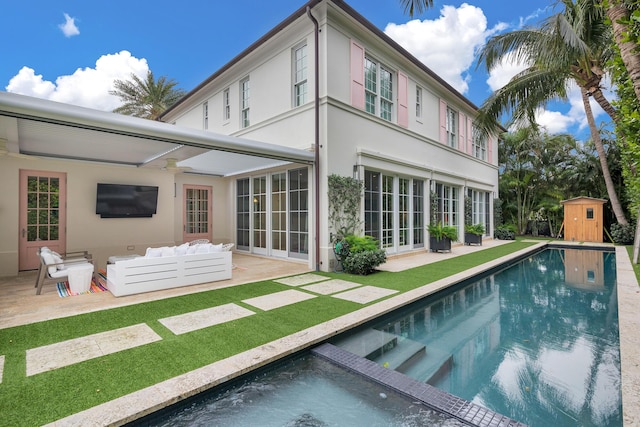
pixel 80 277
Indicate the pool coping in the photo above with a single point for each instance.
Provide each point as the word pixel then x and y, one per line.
pixel 143 402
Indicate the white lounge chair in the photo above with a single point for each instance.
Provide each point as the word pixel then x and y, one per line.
pixel 55 267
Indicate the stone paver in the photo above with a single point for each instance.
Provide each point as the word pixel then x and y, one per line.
pixel 1 368
pixel 331 286
pixel 278 299
pixel 200 319
pixel 65 353
pixel 302 279
pixel 365 294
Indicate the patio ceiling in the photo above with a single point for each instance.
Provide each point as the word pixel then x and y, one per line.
pixel 36 127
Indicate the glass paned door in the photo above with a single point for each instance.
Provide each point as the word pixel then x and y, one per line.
pixel 243 214
pixel 42 215
pixel 260 214
pixel 299 213
pixel 418 213
pixel 279 214
pixel 197 212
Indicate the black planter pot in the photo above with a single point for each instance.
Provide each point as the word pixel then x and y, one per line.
pixel 439 245
pixel 472 239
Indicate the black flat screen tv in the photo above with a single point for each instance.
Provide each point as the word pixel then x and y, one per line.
pixel 126 201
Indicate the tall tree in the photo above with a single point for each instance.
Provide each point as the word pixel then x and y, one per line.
pixel 146 98
pixel 571 46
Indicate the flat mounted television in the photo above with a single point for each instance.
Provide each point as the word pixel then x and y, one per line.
pixel 126 201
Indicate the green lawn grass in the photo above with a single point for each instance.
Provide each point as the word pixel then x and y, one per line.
pixel 52 395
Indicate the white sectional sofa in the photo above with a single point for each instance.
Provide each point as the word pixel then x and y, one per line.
pixel 169 267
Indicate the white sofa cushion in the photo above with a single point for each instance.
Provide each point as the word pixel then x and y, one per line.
pixel 182 249
pixel 168 251
pixel 49 260
pixel 153 253
pixel 216 248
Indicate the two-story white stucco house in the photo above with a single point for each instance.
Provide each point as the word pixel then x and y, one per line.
pixel 245 157
pixel 328 80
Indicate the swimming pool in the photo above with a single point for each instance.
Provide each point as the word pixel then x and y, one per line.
pixel 537 342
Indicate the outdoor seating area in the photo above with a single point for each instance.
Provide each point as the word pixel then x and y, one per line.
pixel 76 267
pixel 170 267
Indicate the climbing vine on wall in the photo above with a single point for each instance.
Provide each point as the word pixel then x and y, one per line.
pixel 345 194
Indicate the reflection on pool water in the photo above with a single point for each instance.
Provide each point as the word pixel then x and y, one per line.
pixel 307 392
pixel 537 342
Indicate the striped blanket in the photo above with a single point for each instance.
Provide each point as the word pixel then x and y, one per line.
pixel 101 286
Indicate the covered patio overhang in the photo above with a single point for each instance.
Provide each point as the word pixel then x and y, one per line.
pixel 37 127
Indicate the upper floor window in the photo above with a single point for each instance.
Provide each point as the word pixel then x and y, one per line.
pixel 378 85
pixel 205 115
pixel 244 103
pixel 300 76
pixel 479 141
pixel 452 125
pixel 226 105
pixel 418 102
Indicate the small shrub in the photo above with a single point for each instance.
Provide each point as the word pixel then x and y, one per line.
pixel 505 232
pixel 477 229
pixel 623 234
pixel 364 262
pixel 361 243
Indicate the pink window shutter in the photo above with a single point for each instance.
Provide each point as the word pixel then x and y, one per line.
pixel 470 136
pixel 443 121
pixel 403 99
pixel 357 75
pixel 462 132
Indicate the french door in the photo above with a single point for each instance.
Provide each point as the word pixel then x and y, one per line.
pixel 196 213
pixel 272 214
pixel 42 211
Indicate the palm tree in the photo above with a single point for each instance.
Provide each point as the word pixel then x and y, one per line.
pixel 412 7
pixel 571 46
pixel 146 98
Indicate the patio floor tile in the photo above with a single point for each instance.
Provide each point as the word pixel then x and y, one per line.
pixel 365 294
pixel 65 353
pixel 302 279
pixel 278 299
pixel 331 286
pixel 200 319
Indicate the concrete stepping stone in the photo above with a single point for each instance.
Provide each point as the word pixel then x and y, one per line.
pixel 330 286
pixel 200 319
pixel 65 353
pixel 1 368
pixel 278 299
pixel 365 294
pixel 302 279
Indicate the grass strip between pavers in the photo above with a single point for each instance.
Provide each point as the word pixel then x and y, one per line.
pixel 49 396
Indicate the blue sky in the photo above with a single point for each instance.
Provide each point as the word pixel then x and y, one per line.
pixel 71 51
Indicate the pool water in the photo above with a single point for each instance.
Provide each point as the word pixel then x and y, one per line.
pixel 537 342
pixel 306 392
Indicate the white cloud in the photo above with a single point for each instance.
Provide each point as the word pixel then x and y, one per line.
pixel 448 44
pixel 501 73
pixel 69 28
pixel 87 87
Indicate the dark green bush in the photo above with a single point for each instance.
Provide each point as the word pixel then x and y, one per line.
pixel 505 232
pixel 364 262
pixel 623 234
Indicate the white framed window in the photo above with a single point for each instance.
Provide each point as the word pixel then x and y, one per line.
pixel 205 116
pixel 452 126
pixel 447 206
pixel 244 103
pixel 418 102
pixel 300 86
pixel 226 105
pixel 480 208
pixel 378 85
pixel 479 147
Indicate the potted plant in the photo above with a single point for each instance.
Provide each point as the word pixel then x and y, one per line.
pixel 441 236
pixel 473 234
